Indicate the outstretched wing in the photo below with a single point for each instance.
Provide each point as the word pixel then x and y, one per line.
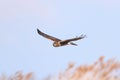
pixel 75 39
pixel 47 36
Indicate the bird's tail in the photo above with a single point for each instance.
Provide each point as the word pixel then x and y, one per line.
pixel 73 44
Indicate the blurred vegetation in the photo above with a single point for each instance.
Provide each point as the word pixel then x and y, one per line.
pixel 99 70
pixel 18 76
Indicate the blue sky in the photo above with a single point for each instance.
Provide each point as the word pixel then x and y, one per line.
pixel 21 48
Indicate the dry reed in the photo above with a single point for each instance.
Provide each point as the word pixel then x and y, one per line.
pixel 100 70
pixel 18 76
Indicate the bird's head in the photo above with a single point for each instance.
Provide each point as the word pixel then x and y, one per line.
pixel 56 44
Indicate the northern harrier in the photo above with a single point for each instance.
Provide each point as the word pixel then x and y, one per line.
pixel 58 42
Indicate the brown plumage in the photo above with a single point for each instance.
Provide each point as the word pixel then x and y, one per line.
pixel 59 42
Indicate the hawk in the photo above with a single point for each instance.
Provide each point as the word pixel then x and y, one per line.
pixel 58 42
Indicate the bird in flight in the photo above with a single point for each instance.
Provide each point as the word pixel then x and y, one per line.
pixel 58 42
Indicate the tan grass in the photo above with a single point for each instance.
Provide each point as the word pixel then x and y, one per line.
pixel 99 70
pixel 18 76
